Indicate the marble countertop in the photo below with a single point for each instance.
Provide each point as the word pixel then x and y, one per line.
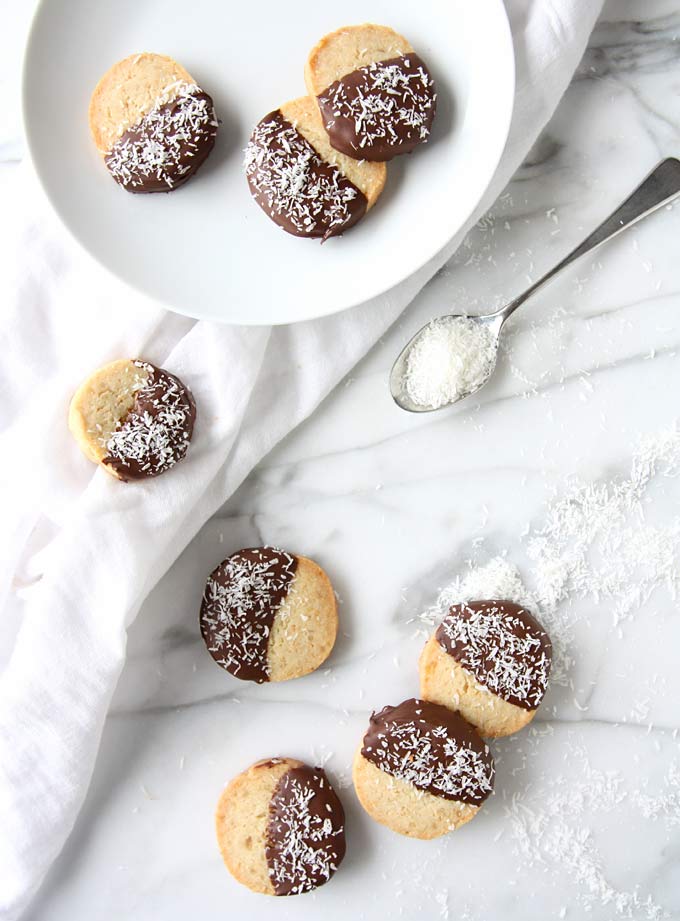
pixel 586 816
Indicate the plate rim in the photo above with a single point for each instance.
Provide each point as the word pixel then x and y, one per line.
pixel 507 92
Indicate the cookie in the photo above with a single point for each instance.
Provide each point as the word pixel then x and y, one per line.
pixel 151 122
pixel 132 418
pixel 281 827
pixel 422 770
pixel 268 615
pixel 300 182
pixel 376 96
pixel 490 660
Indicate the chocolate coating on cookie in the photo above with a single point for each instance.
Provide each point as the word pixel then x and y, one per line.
pixel 168 145
pixel 294 186
pixel 240 602
pixel 504 647
pixel 156 432
pixel 380 110
pixel 432 748
pixel 306 832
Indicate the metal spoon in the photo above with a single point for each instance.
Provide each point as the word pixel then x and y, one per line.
pixel 661 186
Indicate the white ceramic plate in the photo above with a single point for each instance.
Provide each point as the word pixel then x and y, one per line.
pixel 207 250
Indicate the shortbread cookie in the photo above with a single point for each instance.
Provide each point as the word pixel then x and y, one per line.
pixel 151 122
pixel 268 615
pixel 281 827
pixel 422 770
pixel 490 660
pixel 133 419
pixel 300 182
pixel 376 96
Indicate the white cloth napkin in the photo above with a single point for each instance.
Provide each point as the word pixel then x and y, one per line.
pixel 83 550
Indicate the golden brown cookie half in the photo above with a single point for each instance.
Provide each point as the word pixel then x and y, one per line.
pixel 422 770
pixel 268 615
pixel 490 661
pixel 152 123
pixel 300 181
pixel 281 827
pixel 132 418
pixel 376 96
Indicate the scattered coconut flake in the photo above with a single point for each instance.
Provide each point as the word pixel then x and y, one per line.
pixel 593 544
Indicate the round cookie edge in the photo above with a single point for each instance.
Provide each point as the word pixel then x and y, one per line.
pixel 103 86
pixel 233 788
pixel 432 658
pixel 314 88
pixel 318 571
pixel 76 421
pixel 365 773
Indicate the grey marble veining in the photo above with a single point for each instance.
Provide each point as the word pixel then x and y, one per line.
pixel 637 47
pixel 586 818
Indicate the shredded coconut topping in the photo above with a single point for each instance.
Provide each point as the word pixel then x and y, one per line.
pixel 290 181
pixel 156 432
pixel 501 649
pixel 306 832
pixel 431 759
pixel 389 100
pixel 169 142
pixel 240 600
pixel 452 357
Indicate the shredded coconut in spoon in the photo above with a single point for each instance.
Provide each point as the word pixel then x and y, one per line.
pixel 451 358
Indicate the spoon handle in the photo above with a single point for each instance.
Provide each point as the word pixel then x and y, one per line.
pixel 660 187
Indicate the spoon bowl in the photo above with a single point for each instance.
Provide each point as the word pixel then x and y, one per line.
pixel 400 375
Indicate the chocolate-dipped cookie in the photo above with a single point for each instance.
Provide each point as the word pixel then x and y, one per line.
pixel 133 419
pixel 268 615
pixel 300 182
pixel 281 827
pixel 422 770
pixel 376 96
pixel 151 122
pixel 490 660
